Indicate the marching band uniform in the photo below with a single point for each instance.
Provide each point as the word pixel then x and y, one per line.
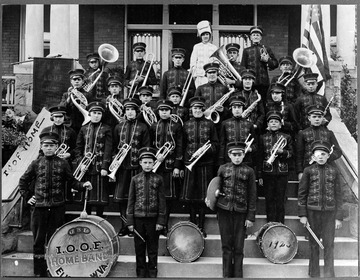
pixel 96 138
pixel 275 174
pixel 177 75
pixel 201 53
pixel 307 136
pixel 251 59
pixel 197 131
pixel 293 88
pixel 77 81
pixel 232 50
pixel 114 86
pixel 137 65
pixel 166 130
pixel 236 129
pixel 310 98
pixel 94 66
pixel 178 110
pixel 136 134
pixel 145 96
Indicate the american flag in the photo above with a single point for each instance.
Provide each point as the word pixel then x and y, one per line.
pixel 314 40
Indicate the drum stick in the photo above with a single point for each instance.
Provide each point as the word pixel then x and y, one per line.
pixel 83 214
pixel 314 236
pixel 135 231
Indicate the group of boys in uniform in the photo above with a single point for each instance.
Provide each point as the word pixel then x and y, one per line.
pixel 259 121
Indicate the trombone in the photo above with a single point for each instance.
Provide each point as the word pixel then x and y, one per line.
pixel 134 88
pixel 198 154
pixel 162 153
pixel 118 159
pixel 84 165
pixel 186 86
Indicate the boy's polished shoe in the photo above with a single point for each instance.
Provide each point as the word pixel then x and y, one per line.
pixel 124 231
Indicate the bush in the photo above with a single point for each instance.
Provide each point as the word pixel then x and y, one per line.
pixel 348 106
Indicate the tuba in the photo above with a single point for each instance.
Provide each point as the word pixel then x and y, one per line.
pixel 212 113
pixel 79 100
pixel 108 54
pixel 115 108
pixel 162 152
pixel 83 166
pixel 118 159
pixel 62 150
pixel 148 114
pixel 252 106
pixel 198 154
pixel 226 70
pixel 280 144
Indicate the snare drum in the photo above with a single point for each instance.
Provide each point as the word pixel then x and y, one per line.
pixel 83 248
pixel 277 242
pixel 185 242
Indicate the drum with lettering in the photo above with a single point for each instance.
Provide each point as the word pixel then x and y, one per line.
pixel 277 242
pixel 84 247
pixel 185 242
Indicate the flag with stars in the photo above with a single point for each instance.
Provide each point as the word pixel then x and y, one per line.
pixel 314 39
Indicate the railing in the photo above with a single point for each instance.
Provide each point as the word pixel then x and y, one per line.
pixel 8 90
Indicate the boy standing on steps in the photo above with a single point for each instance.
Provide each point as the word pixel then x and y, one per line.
pixel 320 204
pixel 146 213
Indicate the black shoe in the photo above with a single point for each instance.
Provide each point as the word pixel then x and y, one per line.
pixel 164 231
pixel 123 231
pixel 203 232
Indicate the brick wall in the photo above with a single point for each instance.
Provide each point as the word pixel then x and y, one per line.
pixel 10 38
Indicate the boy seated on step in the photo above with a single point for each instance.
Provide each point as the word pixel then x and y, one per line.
pixel 146 213
pixel 236 206
pixel 320 205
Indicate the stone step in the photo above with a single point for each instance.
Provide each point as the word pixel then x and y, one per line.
pixel 21 265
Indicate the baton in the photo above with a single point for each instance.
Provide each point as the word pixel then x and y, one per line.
pixel 314 236
pixel 135 231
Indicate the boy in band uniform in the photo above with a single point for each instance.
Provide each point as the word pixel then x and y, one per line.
pixel 47 197
pixel 146 213
pixel 236 207
pixel 114 87
pixel 232 51
pixel 274 176
pixel 320 204
pixel 92 72
pixel 145 96
pixel 174 95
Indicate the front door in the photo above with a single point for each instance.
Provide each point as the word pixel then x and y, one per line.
pixel 187 42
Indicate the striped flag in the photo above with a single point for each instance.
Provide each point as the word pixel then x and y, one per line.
pixel 314 40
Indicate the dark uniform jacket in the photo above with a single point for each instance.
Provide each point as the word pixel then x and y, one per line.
pixel 238 185
pixel 303 102
pixel 176 76
pixel 51 175
pixel 280 164
pixel 197 131
pixel 100 145
pixel 135 134
pixel 168 131
pixel 182 112
pixel 251 60
pixel 146 198
pixel 238 69
pixel 130 72
pixel 293 89
pixel 304 141
pixel 100 89
pixel 320 190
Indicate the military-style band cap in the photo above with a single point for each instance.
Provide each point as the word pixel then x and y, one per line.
pixel 286 58
pixel 174 90
pixel 234 147
pixel 139 45
pixel 211 66
pixel 248 73
pixel 273 115
pixel 96 106
pixel 146 90
pixel 164 104
pixel 113 81
pixel 132 102
pixel 197 101
pixel 178 51
pixel 49 137
pixel 311 77
pixel 147 152
pixel 232 46
pixel 277 87
pixel 257 29
pixel 91 56
pixel 321 145
pixel 77 72
pixel 237 100
pixel 315 109
pixel 57 111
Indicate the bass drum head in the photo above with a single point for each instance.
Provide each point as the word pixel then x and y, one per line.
pixel 185 242
pixel 83 248
pixel 277 242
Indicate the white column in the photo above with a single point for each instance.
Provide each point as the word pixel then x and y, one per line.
pixel 74 31
pixel 34 31
pixel 345 33
pixel 60 30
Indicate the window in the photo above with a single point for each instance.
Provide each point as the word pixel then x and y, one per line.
pixel 236 15
pixel 189 14
pixel 145 14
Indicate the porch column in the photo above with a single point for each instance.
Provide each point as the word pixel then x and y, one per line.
pixel 345 34
pixel 34 31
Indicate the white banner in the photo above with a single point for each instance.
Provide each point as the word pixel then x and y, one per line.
pixel 24 155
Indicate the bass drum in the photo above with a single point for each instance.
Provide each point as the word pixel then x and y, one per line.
pixel 84 247
pixel 277 242
pixel 185 242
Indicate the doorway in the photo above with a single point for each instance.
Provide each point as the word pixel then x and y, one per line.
pixel 187 42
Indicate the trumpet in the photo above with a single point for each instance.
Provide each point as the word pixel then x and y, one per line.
pixel 280 144
pixel 162 152
pixel 313 159
pixel 115 108
pixel 198 154
pixel 148 114
pixel 252 106
pixel 80 102
pixel 118 159
pixel 186 86
pixel 62 150
pixel 83 166
pixel 263 53
pixel 133 88
pixel 212 113
pixel 248 143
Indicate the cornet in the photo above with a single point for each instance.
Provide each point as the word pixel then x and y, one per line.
pixel 263 53
pixel 162 153
pixel 198 154
pixel 62 150
pixel 280 144
pixel 211 113
pixel 80 102
pixel 115 108
pixel 83 166
pixel 148 114
pixel 118 159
